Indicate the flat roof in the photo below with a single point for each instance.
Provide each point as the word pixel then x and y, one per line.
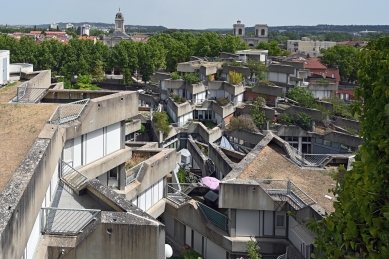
pixel 20 127
pixel 271 163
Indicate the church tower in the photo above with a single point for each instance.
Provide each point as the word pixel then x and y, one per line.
pixel 119 22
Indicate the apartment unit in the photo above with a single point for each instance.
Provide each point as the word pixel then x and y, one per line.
pixel 4 66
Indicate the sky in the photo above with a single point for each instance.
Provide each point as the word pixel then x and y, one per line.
pixel 197 14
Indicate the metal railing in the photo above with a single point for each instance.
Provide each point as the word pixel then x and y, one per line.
pixel 68 112
pixel 133 173
pixel 71 222
pixel 296 197
pixel 305 160
pixel 26 94
pixel 176 196
pixel 71 176
pixel 218 219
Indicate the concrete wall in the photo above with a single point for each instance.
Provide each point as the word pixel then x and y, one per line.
pixel 119 235
pixel 294 110
pixel 223 111
pixel 133 126
pixel 250 137
pixel 16 68
pixel 38 79
pixel 347 124
pixel 154 169
pixel 221 161
pixel 269 112
pixel 281 68
pixel 245 71
pixel 326 105
pixel 198 157
pixel 244 194
pixel 67 95
pixel 322 87
pixel 266 89
pixel 179 109
pixel 342 138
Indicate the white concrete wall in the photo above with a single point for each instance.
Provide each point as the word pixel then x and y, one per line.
pixel 4 66
pixel 247 223
pixel 149 197
pixel 171 113
pixel 92 146
pixel 268 225
pixel 238 99
pixel 214 251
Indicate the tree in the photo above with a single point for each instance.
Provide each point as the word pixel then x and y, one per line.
pixel 344 58
pixel 232 44
pixel 242 123
pixel 302 96
pixel 84 82
pixel 257 68
pixel 259 117
pixel 359 226
pixel 161 123
pixel 98 71
pixel 209 44
pixel 252 250
pixel 124 56
pixel 273 48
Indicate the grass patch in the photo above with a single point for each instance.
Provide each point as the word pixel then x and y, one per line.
pixel 12 84
pixel 209 124
pixel 136 159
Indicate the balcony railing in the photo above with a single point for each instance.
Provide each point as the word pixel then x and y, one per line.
pixel 70 222
pixel 68 112
pixel 71 176
pixel 177 197
pixel 305 160
pixel 286 190
pixel 26 94
pixel 133 173
pixel 218 219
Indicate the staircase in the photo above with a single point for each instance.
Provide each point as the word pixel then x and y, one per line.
pixel 71 176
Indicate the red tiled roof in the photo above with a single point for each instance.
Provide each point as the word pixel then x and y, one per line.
pixel 36 32
pixel 86 37
pixel 352 43
pixel 312 63
pixel 55 32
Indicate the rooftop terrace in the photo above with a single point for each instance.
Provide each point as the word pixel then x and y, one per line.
pixel 271 163
pixel 20 126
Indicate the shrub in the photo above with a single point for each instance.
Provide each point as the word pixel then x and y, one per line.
pixel 235 77
pixel 190 254
pixel 192 78
pixel 266 82
pixel 222 101
pixel 142 128
pixel 303 120
pixel 242 123
pixel 181 175
pixel 340 107
pixel 178 99
pixel 161 123
pixel 260 101
pixel 302 96
pixel 285 119
pixel 323 81
pixel 175 76
pixel 210 77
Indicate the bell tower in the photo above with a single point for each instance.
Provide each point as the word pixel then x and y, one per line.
pixel 119 22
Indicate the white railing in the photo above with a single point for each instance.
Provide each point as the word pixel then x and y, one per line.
pixel 176 196
pixel 296 197
pixel 68 112
pixel 305 160
pixel 26 94
pixel 70 222
pixel 71 176
pixel 133 173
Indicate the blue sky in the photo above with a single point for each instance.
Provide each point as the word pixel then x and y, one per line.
pixel 198 14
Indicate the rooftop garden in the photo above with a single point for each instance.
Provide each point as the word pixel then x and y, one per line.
pixel 222 101
pixel 161 123
pixel 136 159
pixel 203 148
pixel 242 123
pixel 177 99
pixel 235 77
pixel 192 78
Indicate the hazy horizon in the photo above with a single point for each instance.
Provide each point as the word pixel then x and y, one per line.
pixel 199 14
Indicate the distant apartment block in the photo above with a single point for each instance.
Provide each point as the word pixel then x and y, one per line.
pixel 69 25
pixel 53 26
pixel 308 46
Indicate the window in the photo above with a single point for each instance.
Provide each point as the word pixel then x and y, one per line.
pixel 263 32
pixel 240 31
pixel 319 141
pixel 327 143
pixel 280 221
pixel 113 173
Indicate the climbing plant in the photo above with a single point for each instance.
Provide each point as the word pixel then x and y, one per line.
pixel 359 226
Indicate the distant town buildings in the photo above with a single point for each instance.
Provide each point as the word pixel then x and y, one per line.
pixel 119 34
pixel 260 33
pixel 69 26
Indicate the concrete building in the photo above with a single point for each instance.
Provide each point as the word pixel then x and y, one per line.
pixel 85 29
pixel 307 46
pixel 119 33
pixel 71 185
pixel 260 33
pixel 69 26
pixel 4 66
pixel 54 26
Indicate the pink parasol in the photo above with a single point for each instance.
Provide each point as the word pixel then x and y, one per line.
pixel 211 182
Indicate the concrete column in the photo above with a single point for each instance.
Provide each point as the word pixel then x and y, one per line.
pixel 232 223
pixel 300 143
pixel 122 176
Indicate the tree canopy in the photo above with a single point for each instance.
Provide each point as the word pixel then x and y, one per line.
pixel 273 48
pixel 344 58
pixel 359 226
